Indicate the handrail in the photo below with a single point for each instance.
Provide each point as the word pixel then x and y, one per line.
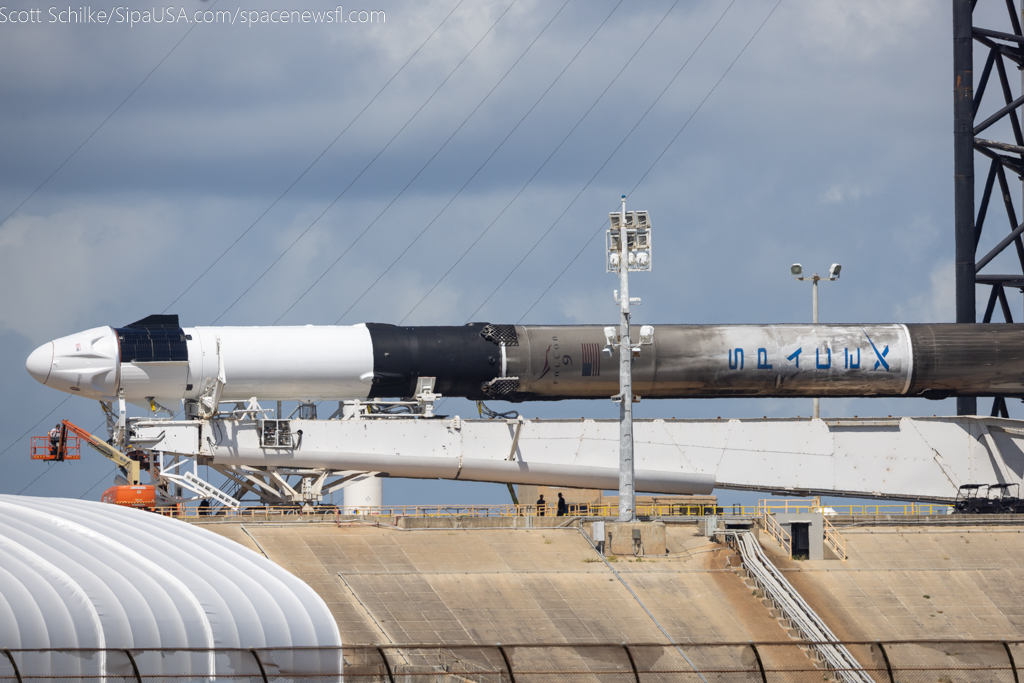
pixel 523 661
pixel 834 539
pixel 614 645
pixel 775 530
pixel 575 510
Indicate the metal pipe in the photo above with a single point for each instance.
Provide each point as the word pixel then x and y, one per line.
pixel 760 664
pixel 14 665
pixel 999 114
pixel 387 664
pixel 1005 242
pixel 259 663
pixel 885 657
pixel 993 144
pixel 632 663
pixel 1013 664
pixel 135 667
pixel 508 665
pixel 814 304
pixel 963 173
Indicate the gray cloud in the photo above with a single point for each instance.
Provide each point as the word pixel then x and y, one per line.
pixel 828 141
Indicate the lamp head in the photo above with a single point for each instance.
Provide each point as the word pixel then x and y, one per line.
pixel 833 272
pixel 796 270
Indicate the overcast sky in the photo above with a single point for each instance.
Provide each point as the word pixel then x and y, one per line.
pixel 485 167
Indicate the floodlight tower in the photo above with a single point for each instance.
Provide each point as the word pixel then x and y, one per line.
pixel 797 271
pixel 628 244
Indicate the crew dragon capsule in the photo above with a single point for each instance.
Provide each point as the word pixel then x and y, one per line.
pixel 155 359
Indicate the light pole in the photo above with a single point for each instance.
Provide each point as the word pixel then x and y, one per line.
pixel 797 271
pixel 628 247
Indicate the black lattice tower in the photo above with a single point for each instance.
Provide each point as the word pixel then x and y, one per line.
pixel 1005 46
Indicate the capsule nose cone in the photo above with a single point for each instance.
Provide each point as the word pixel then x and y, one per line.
pixel 40 362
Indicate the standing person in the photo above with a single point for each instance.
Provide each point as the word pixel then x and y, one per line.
pixel 54 440
pixel 563 507
pixel 541 506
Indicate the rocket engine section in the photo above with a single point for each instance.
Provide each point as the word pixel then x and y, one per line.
pixel 156 359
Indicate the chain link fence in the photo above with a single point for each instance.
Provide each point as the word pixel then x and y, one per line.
pixel 932 661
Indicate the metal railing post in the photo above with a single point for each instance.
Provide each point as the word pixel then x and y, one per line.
pixel 1013 664
pixel 636 674
pixel 760 664
pixel 259 663
pixel 885 656
pixel 387 664
pixel 508 665
pixel 135 667
pixel 17 672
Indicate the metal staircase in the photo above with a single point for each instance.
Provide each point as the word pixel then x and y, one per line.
pixel 793 607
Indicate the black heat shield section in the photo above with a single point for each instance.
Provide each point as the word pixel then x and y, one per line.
pixel 156 322
pixel 151 344
pixel 967 360
pixel 458 357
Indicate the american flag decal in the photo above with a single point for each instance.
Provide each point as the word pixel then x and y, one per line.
pixel 591 354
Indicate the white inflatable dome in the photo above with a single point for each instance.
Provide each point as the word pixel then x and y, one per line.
pixel 103 579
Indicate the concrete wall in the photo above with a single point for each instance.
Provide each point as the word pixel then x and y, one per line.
pixel 511 585
pixel 474 582
pixel 619 539
pixel 936 581
pixel 816 532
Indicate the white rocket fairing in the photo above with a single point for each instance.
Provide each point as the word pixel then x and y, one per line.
pixel 156 359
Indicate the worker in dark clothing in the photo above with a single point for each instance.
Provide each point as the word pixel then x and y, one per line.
pixel 54 440
pixel 541 506
pixel 563 507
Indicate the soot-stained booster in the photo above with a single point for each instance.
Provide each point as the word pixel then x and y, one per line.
pixel 155 359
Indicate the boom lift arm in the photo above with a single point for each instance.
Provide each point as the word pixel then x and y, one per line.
pixel 130 466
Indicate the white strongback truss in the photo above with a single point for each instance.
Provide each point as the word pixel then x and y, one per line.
pixel 924 458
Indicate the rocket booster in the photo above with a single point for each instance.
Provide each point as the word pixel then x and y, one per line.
pixel 155 358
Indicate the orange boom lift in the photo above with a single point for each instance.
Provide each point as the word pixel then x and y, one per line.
pixel 68 447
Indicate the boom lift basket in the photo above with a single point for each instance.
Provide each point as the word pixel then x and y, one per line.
pixel 42 448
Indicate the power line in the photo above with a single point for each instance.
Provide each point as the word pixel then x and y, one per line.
pixel 347 187
pixel 654 163
pixel 418 173
pixel 105 475
pixel 317 159
pixel 102 123
pixel 539 168
pixel 26 487
pixel 49 464
pixel 32 428
pixel 372 100
pixel 606 161
pixel 477 171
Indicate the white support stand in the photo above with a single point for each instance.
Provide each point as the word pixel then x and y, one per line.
pixel 363 494
pixel 120 433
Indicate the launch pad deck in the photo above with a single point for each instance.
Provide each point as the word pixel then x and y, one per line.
pixel 468 580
